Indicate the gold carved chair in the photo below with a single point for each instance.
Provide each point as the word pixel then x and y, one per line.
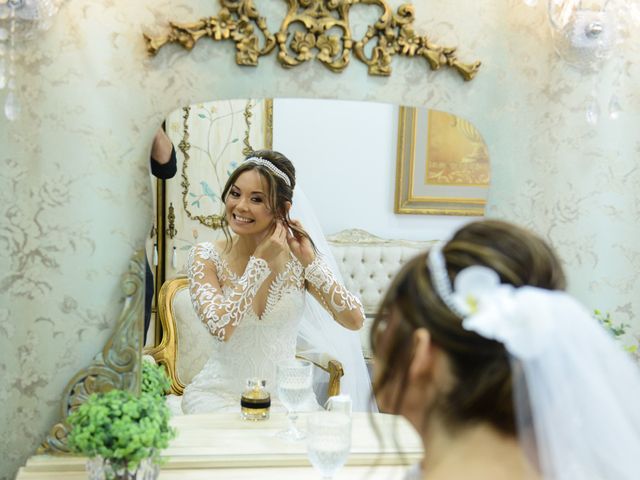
pixel 183 349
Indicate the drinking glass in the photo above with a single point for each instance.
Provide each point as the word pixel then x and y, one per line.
pixel 328 441
pixel 293 379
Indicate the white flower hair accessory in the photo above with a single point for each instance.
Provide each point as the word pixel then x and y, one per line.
pixel 574 389
pixel 266 163
pixel 517 317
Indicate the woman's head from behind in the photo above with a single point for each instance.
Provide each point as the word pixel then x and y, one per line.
pixel 258 192
pixel 427 365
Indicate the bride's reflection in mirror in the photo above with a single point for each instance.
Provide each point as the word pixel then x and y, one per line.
pixel 250 285
pixel 254 290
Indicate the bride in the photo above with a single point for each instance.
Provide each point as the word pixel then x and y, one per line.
pixel 266 289
pixel 504 375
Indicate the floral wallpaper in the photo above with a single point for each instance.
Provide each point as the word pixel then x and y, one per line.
pixel 74 189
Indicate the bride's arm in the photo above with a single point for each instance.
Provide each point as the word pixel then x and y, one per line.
pixel 219 312
pixel 345 307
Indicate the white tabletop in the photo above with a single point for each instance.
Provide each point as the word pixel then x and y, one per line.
pixel 233 448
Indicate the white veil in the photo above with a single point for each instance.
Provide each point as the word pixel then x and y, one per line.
pixel 579 397
pixel 319 332
pixel 576 392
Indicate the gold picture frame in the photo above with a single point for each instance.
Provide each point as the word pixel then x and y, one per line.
pixel 446 171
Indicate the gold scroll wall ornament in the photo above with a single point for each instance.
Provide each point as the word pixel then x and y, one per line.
pixel 118 365
pixel 247 149
pixel 326 36
pixel 171 229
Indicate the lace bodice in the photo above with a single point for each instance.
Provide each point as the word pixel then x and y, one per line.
pixel 253 342
pixel 258 342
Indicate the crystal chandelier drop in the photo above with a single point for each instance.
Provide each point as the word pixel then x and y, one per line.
pixel 20 20
pixel 587 34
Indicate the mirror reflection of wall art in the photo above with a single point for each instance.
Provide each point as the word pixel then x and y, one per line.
pixel 211 138
pixel 446 171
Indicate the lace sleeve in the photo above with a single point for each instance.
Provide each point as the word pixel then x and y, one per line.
pixel 344 306
pixel 221 312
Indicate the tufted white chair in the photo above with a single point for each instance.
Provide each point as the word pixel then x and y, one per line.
pixel 368 264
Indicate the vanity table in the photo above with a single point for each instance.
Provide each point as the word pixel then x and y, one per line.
pixel 226 447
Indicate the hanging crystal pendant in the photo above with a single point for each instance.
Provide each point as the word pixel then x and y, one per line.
pixel 614 108
pixel 12 106
pixel 593 112
pixel 7 77
pixel 3 74
pixel 33 15
pixel 3 53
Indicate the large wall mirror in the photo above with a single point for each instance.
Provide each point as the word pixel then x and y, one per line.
pixel 394 172
pixel 354 160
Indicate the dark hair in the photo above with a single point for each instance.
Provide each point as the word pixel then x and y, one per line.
pixel 278 192
pixel 480 366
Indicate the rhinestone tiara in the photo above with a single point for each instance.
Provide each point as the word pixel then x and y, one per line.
pixel 266 163
pixel 440 278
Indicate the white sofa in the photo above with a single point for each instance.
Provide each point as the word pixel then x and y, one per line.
pixel 367 264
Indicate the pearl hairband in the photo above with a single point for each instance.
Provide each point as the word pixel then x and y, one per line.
pixel 266 163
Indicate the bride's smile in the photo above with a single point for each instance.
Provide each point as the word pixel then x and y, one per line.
pixel 246 205
pixel 242 219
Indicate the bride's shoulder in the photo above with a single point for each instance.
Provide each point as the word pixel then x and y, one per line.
pixel 206 251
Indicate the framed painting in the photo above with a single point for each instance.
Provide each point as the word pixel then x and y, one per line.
pixel 442 165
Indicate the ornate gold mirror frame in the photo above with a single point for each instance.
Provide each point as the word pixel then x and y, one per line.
pixel 118 365
pixel 392 34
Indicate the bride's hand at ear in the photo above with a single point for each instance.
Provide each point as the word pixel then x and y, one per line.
pixel 272 245
pixel 300 245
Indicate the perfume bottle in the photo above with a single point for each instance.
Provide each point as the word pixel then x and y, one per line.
pixel 255 401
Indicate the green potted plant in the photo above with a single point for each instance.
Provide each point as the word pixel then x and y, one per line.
pixel 154 378
pixel 618 331
pixel 121 433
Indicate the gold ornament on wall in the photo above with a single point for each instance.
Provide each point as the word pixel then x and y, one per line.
pixel 171 229
pixel 392 34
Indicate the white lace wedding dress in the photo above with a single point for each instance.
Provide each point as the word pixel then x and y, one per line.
pixel 258 343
